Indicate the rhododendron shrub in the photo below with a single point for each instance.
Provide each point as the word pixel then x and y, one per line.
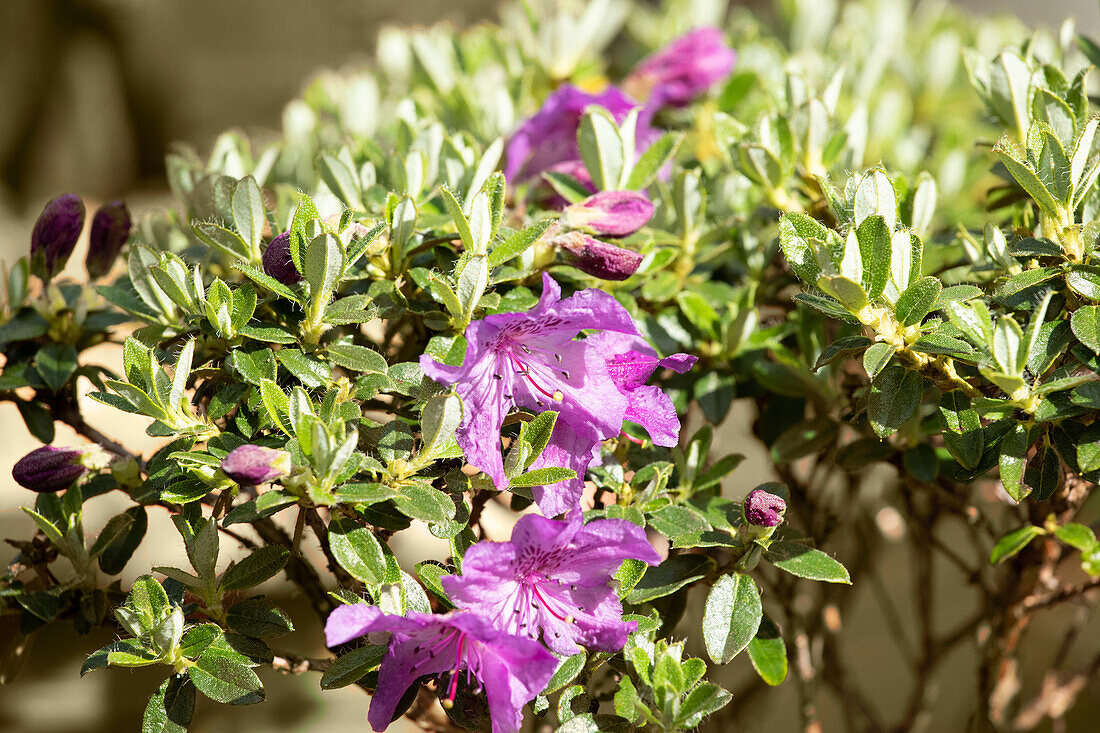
pixel 529 293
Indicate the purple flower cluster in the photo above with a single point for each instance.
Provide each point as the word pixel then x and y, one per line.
pixel 535 361
pixel 550 586
pixel 552 581
pixel 672 76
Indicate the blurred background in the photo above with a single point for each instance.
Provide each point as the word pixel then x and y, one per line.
pixel 94 91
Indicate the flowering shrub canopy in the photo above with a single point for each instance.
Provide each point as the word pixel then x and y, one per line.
pixel 574 265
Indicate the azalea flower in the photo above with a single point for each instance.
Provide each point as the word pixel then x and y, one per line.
pixel 681 71
pixel 534 360
pixel 511 669
pixel 548 139
pixel 553 579
pixel 631 362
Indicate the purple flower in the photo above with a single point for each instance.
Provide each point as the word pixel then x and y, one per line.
pixel 682 70
pixel 512 669
pixel 534 361
pixel 55 235
pixel 278 262
pixel 110 230
pixel 630 362
pixel 763 509
pixel 251 465
pixel 49 469
pixel 610 213
pixel 549 138
pixel 553 577
pixel 599 259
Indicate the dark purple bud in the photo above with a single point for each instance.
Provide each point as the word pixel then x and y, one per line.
pixel 110 230
pixel 682 70
pixel 599 259
pixel 278 262
pixel 49 469
pixel 763 509
pixel 55 235
pixel 610 213
pixel 251 465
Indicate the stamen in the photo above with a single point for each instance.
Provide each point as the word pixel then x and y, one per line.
pixel 525 372
pixel 453 690
pixel 546 604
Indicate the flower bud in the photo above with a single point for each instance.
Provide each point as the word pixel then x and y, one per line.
pixel 278 262
pixel 55 235
pixel 599 259
pixel 610 213
pixel 110 230
pixel 763 509
pixel 49 469
pixel 251 465
pixel 682 70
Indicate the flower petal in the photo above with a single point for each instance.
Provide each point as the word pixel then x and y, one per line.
pixel 653 410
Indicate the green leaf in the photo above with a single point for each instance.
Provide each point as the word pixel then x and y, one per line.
pixel 894 397
pixel 300 228
pixel 357 358
pixel 421 501
pixel 1027 178
pixel 276 403
pixel 962 428
pixel 1012 461
pixel 876 357
pixel 566 672
pixel 543 477
pixel 148 598
pixel 341 180
pixel 439 419
pixel 873 235
pixel 768 653
pixel 249 215
pixel 601 148
pixel 1086 326
pixel 1076 535
pixel 352 667
pixel 358 551
pixel 652 160
pixel 55 363
pixel 518 243
pixel 324 266
pixel 171 707
pixel 670 576
pixel 312 372
pixel 731 616
pixel 222 239
pixel 224 676
pixel 263 564
pixel 1013 542
pixel 917 300
pixel 261 278
pixel 258 618
pixel 705 699
pixel 806 562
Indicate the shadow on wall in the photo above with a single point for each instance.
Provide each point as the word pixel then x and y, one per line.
pixel 95 90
